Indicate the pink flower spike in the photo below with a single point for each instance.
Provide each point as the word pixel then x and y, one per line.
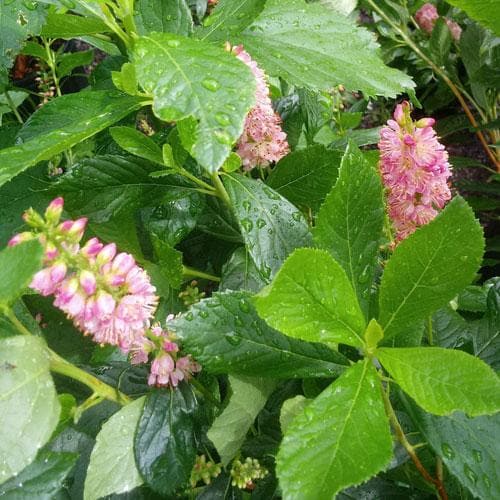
pixel 104 305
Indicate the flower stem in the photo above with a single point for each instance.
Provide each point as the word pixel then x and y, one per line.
pixel 99 388
pixel 442 74
pixel 13 108
pixel 221 190
pixel 189 271
pixel 410 449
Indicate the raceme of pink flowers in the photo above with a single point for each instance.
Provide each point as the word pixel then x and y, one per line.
pixel 105 293
pixel 263 140
pixel 427 16
pixel 415 170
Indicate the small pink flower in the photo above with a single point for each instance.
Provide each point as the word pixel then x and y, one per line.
pixel 54 210
pixel 20 238
pixel 426 17
pixel 415 170
pixel 263 140
pixel 455 29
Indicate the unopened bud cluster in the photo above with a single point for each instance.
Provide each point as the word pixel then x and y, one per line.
pixel 244 474
pixel 204 470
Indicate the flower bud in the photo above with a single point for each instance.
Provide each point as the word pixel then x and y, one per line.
pixel 106 254
pixel 54 210
pixel 33 218
pixel 20 238
pixel 92 247
pixel 88 282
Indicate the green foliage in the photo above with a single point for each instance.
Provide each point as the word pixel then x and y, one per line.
pixel 442 381
pixel 228 431
pixel 238 341
pixel 136 143
pixel 112 467
pixel 310 46
pixel 17 266
pixel 350 222
pixel 311 299
pixel 166 17
pixel 28 402
pixel 62 123
pixel 430 267
pixel 270 225
pixel 483 11
pixel 316 457
pixel 218 91
pixel 164 443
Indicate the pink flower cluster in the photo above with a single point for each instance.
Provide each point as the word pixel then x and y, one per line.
pixel 105 294
pixel 415 170
pixel 427 16
pixel 263 140
pixel 167 368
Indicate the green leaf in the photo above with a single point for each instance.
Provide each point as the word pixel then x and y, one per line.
pixel 17 99
pixel 236 340
pixel 42 479
pixel 168 17
pixel 449 328
pixel 70 26
pixel 169 262
pixel 66 63
pixel 165 445
pixel 112 467
pixel 310 46
pixel 440 42
pixel 228 19
pixel 104 186
pixel 61 124
pixel 290 409
pixel 341 439
pixel 305 176
pixel 228 431
pixel 270 225
pixel 191 79
pixel 442 381
pixel 430 267
pixel 137 143
pixel 18 21
pixel 28 402
pixel 485 332
pixel 465 446
pixel 18 264
pixel 311 299
pixel 350 222
pixel 484 11
pixel 240 273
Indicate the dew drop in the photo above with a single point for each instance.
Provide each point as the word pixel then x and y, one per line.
pixel 232 338
pixel 223 137
pixel 447 450
pixel 478 456
pixel 296 216
pixel 210 84
pixel 261 223
pixel 204 314
pixel 189 316
pixel 244 306
pixel 247 225
pixel 173 43
pixel 470 474
pixel 222 119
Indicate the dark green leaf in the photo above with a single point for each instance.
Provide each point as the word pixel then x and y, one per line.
pixel 104 186
pixel 340 439
pixel 312 47
pixel 225 335
pixel 449 328
pixel 228 19
pixel 18 21
pixel 28 402
pixel 68 62
pixel 472 298
pixel 467 447
pixel 165 445
pixel 312 299
pixel 61 124
pixel 168 17
pixel 430 267
pixel 440 43
pixel 112 467
pixel 218 90
pixel 350 222
pixel 42 479
pixel 249 395
pixel 240 273
pixel 18 264
pixel 70 26
pixel 442 381
pixel 169 262
pixel 486 331
pixel 137 143
pixel 270 225
pixel 306 176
